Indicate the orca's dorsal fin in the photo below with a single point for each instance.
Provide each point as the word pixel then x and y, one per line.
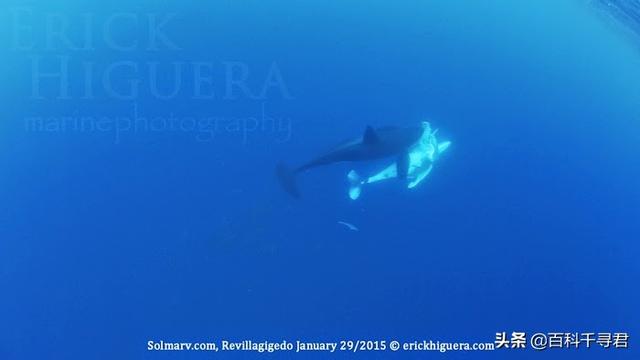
pixel 370 136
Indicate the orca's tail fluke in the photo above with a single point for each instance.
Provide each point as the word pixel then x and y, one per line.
pixel 355 185
pixel 287 179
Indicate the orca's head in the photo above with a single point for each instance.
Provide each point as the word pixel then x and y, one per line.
pixel 426 127
pixel 426 134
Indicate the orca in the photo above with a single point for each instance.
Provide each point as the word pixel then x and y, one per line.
pixel 374 144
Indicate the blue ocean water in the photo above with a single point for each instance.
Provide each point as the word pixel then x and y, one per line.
pixel 138 200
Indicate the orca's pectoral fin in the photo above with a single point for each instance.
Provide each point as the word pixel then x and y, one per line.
pixel 355 185
pixel 421 174
pixel 443 146
pixel 402 165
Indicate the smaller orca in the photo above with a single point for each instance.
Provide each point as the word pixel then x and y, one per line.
pixel 422 155
pixel 374 144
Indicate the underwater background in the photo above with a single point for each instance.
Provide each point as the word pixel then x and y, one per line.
pixel 119 225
